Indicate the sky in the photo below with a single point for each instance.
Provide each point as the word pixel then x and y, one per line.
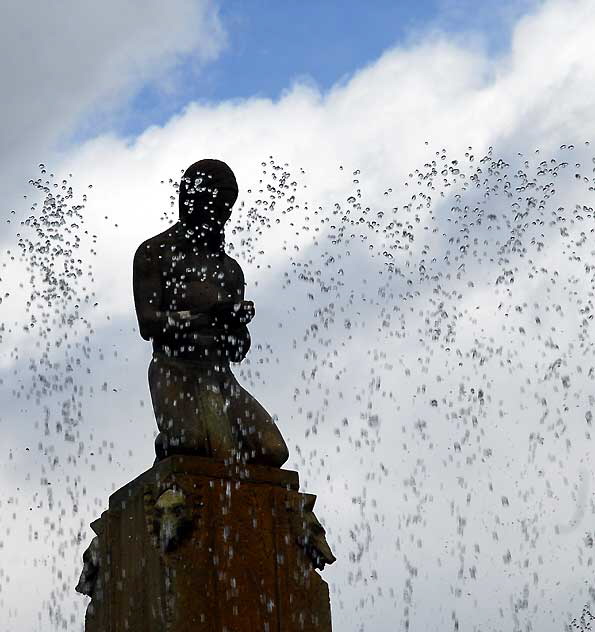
pixel 270 46
pixel 387 156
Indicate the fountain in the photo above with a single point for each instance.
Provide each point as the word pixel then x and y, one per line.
pixel 215 536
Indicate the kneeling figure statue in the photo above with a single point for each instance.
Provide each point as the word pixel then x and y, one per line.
pixel 189 299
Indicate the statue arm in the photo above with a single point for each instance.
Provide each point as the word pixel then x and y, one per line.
pixel 237 344
pixel 146 283
pixel 226 317
pixel 237 341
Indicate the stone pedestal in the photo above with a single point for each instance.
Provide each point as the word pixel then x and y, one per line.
pixel 193 545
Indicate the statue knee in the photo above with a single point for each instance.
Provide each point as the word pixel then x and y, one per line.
pixel 160 446
pixel 278 453
pixel 284 454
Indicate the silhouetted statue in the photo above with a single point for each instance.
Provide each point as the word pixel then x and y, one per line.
pixel 189 298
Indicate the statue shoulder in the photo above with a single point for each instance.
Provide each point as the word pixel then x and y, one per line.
pixel 234 267
pixel 152 247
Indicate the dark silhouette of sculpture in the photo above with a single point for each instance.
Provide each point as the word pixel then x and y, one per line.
pixel 189 298
pixel 214 536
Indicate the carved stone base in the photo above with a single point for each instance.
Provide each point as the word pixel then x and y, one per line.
pixel 192 545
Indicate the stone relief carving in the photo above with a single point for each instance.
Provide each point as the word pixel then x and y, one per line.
pixel 87 584
pixel 312 535
pixel 168 518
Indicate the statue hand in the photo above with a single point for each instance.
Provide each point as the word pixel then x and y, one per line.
pixel 186 319
pixel 233 314
pixel 244 312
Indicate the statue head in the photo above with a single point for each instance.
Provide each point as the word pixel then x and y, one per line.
pixel 171 520
pixel 208 190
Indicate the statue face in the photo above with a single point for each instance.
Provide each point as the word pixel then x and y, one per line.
pixel 171 522
pixel 208 190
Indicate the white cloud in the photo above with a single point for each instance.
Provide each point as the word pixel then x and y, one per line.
pixel 58 60
pixel 377 122
pixel 536 95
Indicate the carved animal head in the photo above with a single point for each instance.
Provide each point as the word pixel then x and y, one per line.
pixel 170 519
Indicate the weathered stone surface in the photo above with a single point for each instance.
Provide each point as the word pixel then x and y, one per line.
pixel 194 545
pixel 189 299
